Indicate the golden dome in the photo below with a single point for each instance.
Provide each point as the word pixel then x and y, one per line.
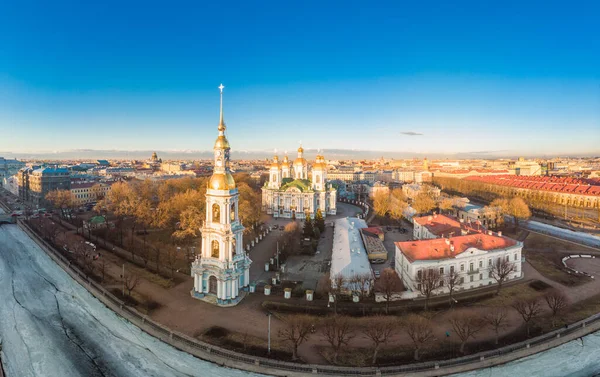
pixel 285 159
pixel 300 150
pixel 220 181
pixel 221 142
pixel 300 161
pixel 275 163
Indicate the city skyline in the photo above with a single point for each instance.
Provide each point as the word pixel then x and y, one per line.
pixel 441 81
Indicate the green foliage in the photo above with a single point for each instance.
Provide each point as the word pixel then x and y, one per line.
pixel 319 221
pixel 308 231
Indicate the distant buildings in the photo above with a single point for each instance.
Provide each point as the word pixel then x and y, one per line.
pixel 413 190
pixel 8 167
pixel 89 192
pixel 37 183
pixel 560 190
pixel 290 193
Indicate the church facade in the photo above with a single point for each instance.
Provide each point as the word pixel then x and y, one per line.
pixel 221 272
pixel 292 193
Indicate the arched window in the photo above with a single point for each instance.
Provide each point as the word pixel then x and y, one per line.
pixel 216 211
pixel 232 212
pixel 233 249
pixel 215 249
pixel 317 178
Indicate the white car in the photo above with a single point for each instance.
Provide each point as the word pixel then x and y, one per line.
pixel 377 274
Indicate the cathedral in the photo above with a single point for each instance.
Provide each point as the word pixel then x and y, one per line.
pixel 221 272
pixel 290 193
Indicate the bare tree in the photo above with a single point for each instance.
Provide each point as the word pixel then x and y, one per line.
pixel 131 282
pixel 332 287
pixel 388 284
pixel 379 330
pixel 451 280
pixel 500 270
pixel 102 263
pixel 466 325
pixel 557 302
pixel 497 319
pixel 297 329
pixel 338 331
pixel 420 332
pixel 528 309
pixel 171 259
pixel 427 281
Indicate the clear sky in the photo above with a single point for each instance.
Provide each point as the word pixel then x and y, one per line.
pixel 517 77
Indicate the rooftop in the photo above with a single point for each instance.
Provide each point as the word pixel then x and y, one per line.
pixel 555 184
pixel 444 248
pixel 349 256
pixel 442 225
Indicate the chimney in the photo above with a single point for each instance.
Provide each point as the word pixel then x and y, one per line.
pixel 451 246
pixel 429 218
pixel 447 241
pixel 489 232
pixel 499 233
pixel 462 221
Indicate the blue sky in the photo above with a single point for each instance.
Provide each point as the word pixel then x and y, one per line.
pixel 512 78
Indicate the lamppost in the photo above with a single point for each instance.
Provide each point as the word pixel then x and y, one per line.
pixel 269 334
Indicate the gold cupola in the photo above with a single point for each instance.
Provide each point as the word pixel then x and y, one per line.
pixel 221 178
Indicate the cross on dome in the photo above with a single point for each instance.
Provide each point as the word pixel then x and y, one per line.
pixel 221 87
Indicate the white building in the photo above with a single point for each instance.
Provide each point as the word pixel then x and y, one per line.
pixel 221 273
pixel 290 193
pixel 349 257
pixel 471 256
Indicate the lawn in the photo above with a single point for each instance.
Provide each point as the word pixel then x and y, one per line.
pixel 545 255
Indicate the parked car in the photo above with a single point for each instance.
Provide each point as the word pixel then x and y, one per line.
pixel 377 274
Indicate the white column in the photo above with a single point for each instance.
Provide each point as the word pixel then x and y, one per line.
pixel 196 286
pixel 247 277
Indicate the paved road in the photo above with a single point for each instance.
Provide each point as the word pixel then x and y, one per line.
pixel 51 326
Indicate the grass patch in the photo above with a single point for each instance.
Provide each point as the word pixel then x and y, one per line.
pixel 545 255
pixel 512 293
pixel 549 264
pixel 246 343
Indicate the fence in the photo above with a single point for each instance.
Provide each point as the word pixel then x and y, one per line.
pixel 237 360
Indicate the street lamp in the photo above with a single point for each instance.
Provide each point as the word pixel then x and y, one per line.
pixel 269 334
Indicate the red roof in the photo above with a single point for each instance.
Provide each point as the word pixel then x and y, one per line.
pixel 442 225
pixel 567 185
pixel 438 248
pixel 373 230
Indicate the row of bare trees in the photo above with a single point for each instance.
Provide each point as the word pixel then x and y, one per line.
pixel 338 331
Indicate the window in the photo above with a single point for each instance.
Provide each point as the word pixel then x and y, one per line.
pixel 216 211
pixel 441 270
pixel 480 263
pixel 441 283
pixel 507 258
pixel 419 274
pixel 232 212
pixel 515 256
pixel 489 275
pixel 215 249
pixel 451 269
pixel 471 266
pixel 462 280
pixel 462 268
pixel 490 262
pixel 471 278
pixel 480 276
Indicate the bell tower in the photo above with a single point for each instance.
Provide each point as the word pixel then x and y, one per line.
pixel 221 272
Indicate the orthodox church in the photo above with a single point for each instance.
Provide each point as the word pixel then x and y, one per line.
pixel 290 193
pixel 221 272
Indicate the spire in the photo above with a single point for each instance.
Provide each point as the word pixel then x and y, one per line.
pixel 221 122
